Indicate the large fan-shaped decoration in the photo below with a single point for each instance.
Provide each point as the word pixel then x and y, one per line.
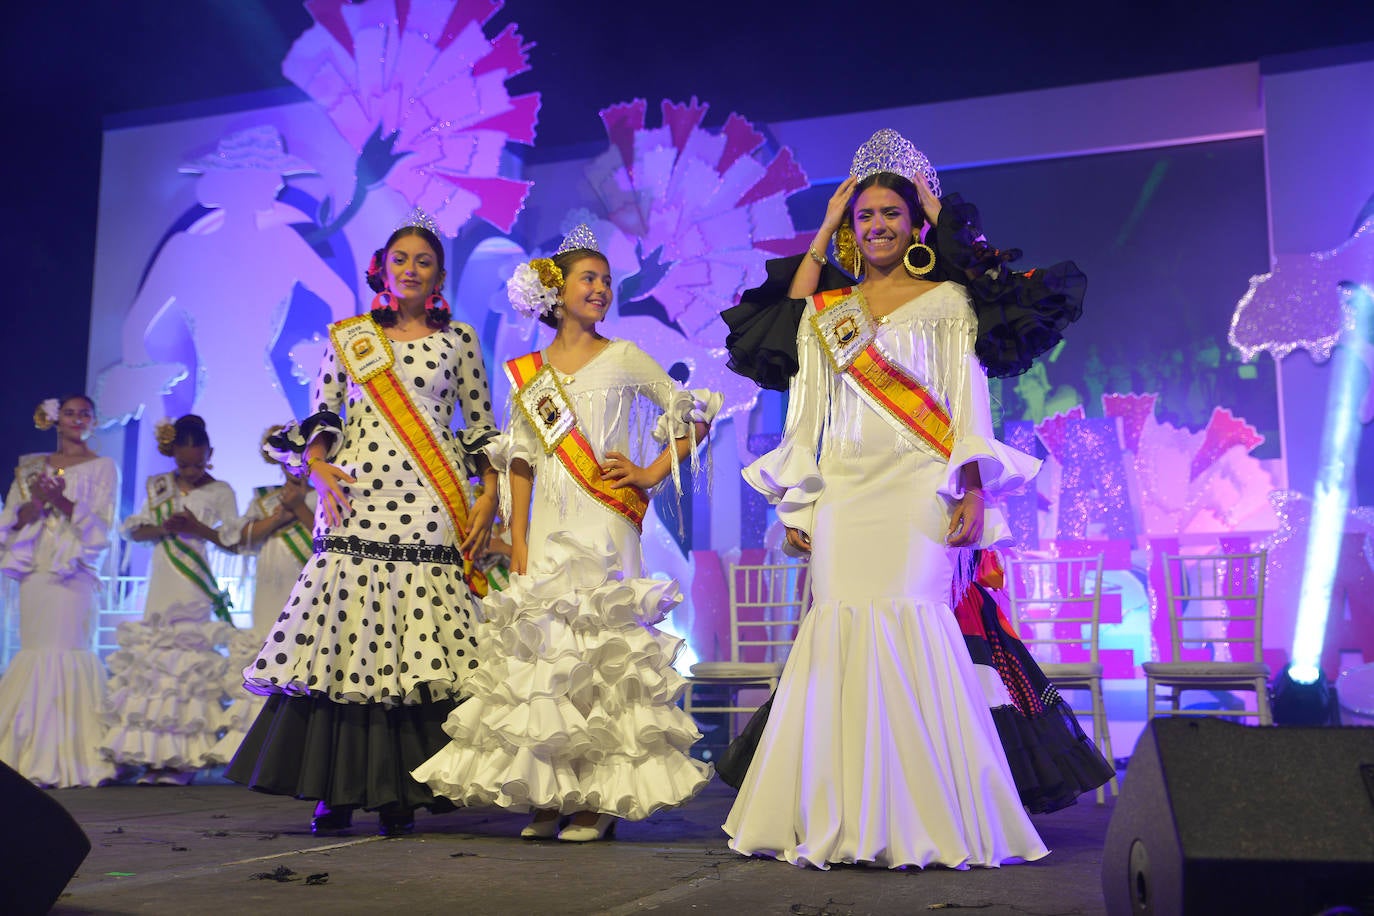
pixel 418 88
pixel 704 207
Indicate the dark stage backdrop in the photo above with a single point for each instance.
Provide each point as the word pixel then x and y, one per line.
pixel 1168 238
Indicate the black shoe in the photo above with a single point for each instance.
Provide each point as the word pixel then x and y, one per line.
pixel 395 821
pixel 331 820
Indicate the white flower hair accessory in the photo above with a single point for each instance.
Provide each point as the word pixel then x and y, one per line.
pixel 47 414
pixel 528 291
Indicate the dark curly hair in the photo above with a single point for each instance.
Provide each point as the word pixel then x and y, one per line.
pixel 436 318
pixel 564 263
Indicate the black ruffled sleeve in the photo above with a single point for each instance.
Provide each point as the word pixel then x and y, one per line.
pixel 762 341
pixel 1020 314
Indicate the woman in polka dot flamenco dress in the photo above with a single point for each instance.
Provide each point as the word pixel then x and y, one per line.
pixel 375 643
pixel 573 710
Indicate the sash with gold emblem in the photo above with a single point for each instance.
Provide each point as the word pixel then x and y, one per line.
pixel 848 335
pixel 550 412
pixel 162 500
pixel 365 353
pixel 295 535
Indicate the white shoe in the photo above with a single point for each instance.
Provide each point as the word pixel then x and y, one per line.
pixel 541 828
pixel 604 828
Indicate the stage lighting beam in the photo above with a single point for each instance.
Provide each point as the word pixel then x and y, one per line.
pixel 1331 497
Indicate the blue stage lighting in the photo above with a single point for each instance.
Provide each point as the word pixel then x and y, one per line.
pixel 1331 497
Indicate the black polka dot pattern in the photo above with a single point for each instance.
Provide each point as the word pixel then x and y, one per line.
pixel 360 630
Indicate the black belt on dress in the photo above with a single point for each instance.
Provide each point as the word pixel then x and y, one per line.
pixel 398 553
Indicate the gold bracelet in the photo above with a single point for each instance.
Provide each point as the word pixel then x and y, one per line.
pixel 819 259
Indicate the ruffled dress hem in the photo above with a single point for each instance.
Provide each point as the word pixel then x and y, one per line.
pixel 573 703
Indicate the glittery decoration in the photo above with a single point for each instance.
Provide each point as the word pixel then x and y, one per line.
pixel 1350 623
pixel 1183 484
pixel 1133 410
pixel 257 148
pixel 1094 499
pixel 581 236
pixel 688 216
pixel 1224 431
pixel 889 151
pixel 1022 510
pixel 419 89
pixel 1300 303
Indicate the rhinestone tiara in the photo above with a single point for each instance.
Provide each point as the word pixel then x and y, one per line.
pixel 418 217
pixel 581 236
pixel 889 151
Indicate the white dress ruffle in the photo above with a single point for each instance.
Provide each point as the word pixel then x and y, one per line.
pixel 52 696
pixel 276 572
pixel 168 676
pixel 166 692
pixel 880 746
pixel 574 703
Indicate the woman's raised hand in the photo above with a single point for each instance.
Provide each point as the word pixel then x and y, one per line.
pixel 837 207
pixel 328 481
pixel 930 204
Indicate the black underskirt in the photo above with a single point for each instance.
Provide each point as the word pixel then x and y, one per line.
pixel 358 754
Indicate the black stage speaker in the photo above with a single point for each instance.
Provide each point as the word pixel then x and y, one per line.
pixel 1216 817
pixel 40 846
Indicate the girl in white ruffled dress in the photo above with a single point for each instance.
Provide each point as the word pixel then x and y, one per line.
pixel 168 675
pixel 573 708
pixel 277 528
pixel 54 531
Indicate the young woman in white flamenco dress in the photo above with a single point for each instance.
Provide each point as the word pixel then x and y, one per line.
pixel 574 702
pixel 168 675
pixel 54 531
pixel 880 746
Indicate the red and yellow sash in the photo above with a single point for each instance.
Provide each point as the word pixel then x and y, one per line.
pixel 882 383
pixel 366 353
pixel 553 420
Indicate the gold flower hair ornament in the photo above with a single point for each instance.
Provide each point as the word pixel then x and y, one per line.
pixel 46 413
pixel 533 288
pixel 166 434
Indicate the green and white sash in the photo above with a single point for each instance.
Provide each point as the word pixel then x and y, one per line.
pixel 162 498
pixel 295 536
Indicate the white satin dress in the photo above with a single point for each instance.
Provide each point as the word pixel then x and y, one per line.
pixel 880 747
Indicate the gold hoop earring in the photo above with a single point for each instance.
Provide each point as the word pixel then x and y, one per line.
pixel 930 256
pixel 847 250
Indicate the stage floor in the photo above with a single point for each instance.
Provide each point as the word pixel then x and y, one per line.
pixel 198 849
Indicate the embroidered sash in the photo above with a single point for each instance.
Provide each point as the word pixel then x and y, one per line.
pixel 848 335
pixel 365 353
pixel 550 412
pixel 30 468
pixel 162 498
pixel 295 535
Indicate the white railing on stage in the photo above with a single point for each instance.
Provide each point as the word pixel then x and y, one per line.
pixel 121 597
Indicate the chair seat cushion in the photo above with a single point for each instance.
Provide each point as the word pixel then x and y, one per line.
pixel 1062 673
pixel 1206 670
pixel 737 670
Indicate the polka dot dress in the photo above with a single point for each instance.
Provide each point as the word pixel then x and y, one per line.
pixel 362 629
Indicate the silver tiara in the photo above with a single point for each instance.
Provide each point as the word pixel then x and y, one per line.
pixel 418 217
pixel 889 151
pixel 581 236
